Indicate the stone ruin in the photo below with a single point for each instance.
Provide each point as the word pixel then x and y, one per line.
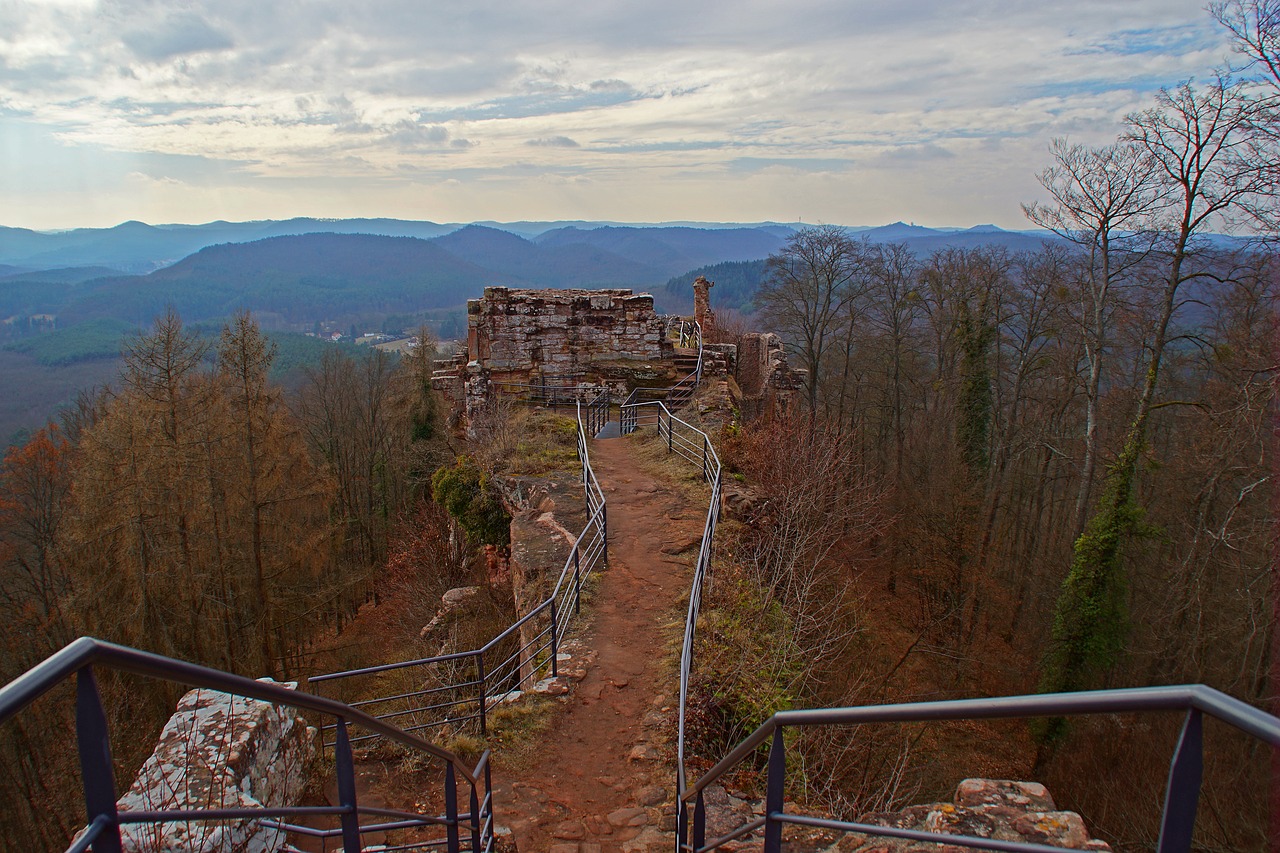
pixel 520 334
pixel 584 339
pixel 530 340
pixel 702 313
pixel 220 752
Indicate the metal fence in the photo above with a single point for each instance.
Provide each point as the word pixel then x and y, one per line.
pixel 564 393
pixel 690 335
pixel 457 691
pixel 471 830
pixel 1182 791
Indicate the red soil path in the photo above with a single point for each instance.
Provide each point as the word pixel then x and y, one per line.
pixel 603 777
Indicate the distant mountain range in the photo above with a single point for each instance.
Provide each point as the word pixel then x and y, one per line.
pixel 661 249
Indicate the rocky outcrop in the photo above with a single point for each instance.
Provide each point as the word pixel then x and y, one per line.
pixel 986 808
pixel 545 515
pixel 983 808
pixel 451 602
pixel 220 751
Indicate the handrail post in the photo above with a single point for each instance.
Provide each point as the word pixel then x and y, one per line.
pixel 345 768
pixel 773 794
pixel 699 822
pixel 1183 794
pixel 96 772
pixel 682 823
pixel 670 428
pixel 488 795
pixel 555 640
pixel 475 819
pixel 452 843
pixel 484 700
pixel 706 477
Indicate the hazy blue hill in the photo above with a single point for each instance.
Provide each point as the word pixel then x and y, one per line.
pixel 526 263
pixel 19 243
pixel 736 283
pixel 671 250
pixel 138 247
pixel 1014 241
pixel 128 247
pixel 295 279
pixel 60 275
pixel 6 270
pixel 898 232
pixel 421 229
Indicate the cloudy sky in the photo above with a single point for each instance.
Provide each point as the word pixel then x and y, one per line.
pixel 846 111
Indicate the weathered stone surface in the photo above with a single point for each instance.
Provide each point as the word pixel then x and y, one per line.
pixel 220 751
pixel 550 687
pixel 520 331
pixel 452 601
pixel 627 817
pixel 570 830
pixel 702 312
pixel 651 795
pixel 1002 792
pixel 984 808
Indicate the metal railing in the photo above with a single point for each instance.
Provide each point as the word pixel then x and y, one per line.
pixel 1181 794
pixel 456 690
pixel 472 830
pixel 599 411
pixel 690 335
pixel 695 446
pixel 553 396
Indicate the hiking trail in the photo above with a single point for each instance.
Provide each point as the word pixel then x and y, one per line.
pixel 603 779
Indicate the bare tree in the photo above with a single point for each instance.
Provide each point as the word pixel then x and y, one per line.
pixel 1200 142
pixel 811 284
pixel 1104 201
pixel 1255 28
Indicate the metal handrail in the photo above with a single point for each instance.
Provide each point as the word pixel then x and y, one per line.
pixel 562 604
pixel 690 335
pixel 1181 796
pixel 80 657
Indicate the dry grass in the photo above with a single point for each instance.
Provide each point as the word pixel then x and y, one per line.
pixel 517 730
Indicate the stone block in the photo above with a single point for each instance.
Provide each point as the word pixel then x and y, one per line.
pixel 220 751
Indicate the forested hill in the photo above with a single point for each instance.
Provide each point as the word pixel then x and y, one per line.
pixel 136 247
pixel 296 279
pixel 311 277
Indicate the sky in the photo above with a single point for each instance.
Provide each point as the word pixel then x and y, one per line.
pixel 851 112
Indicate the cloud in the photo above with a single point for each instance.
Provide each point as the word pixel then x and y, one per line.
pixel 175 35
pixel 552 142
pixel 630 95
pixel 410 134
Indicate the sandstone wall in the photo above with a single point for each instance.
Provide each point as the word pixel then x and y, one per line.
pixel 518 334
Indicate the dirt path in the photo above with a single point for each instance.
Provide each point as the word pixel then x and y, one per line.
pixel 603 779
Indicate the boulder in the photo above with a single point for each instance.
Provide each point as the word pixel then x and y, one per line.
pixel 220 751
